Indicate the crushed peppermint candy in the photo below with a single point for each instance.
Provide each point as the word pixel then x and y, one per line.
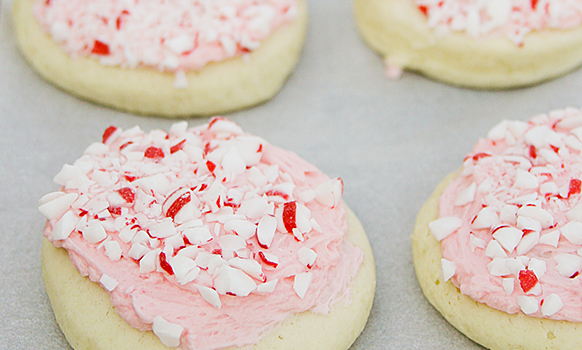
pixel 513 19
pixel 171 36
pixel 517 244
pixel 183 227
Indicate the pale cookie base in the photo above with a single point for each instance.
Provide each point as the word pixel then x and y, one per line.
pixel 89 321
pixel 217 88
pixel 399 31
pixel 489 327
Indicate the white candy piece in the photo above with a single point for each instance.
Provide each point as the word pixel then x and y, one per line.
pixel 486 218
pixel 443 227
pixel 529 305
pixel 575 214
pixel 65 226
pixel 528 241
pixel 243 228
pixel 466 196
pixel 508 214
pixel 448 269
pixel 180 44
pixel 255 208
pixel 307 256
pixel 232 242
pixel 137 251
pixel 497 267
pixel 210 296
pixel 94 233
pixel 168 333
pixel 549 188
pixel 572 231
pixel 538 267
pixel 329 193
pixel 552 304
pixel 163 229
pixel 551 238
pixel 508 237
pixel 67 173
pixel 112 250
pixel 198 235
pixel 301 283
pixel 508 285
pixel 233 281
pixel 525 180
pixel 514 265
pixel 190 252
pixel 56 207
pixel 568 264
pixel 108 282
pixel 148 262
pixel 525 223
pixel 266 230
pixel 267 287
pixel 249 266
pixel 475 242
pixel 185 269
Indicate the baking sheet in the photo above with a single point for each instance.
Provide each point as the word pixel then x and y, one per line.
pixel 390 141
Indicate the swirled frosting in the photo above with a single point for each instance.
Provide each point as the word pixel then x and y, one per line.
pixel 196 231
pixel 510 224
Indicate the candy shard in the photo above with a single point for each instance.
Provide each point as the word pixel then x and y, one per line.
pixel 301 283
pixel 168 333
pixel 233 281
pixel 65 226
pixel 443 227
pixel 306 256
pixel 266 230
pixel 568 264
pixel 466 196
pixel 486 218
pixel 572 231
pixel 329 193
pixel 94 233
pixel 56 207
pixel 551 304
pixel 267 287
pixel 529 305
pixel 448 269
pixel 508 237
pixel 209 295
pixel 108 282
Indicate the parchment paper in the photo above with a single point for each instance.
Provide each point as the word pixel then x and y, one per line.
pixel 390 141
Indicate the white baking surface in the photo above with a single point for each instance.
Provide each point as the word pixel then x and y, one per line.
pixel 390 141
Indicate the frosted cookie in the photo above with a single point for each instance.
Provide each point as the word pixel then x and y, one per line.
pixel 203 238
pixel 498 246
pixel 169 58
pixel 480 44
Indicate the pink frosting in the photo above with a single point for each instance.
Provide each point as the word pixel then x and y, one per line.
pixel 511 18
pixel 153 168
pixel 167 35
pixel 522 181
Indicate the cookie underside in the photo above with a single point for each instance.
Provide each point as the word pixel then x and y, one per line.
pixel 89 321
pixel 398 31
pixel 489 327
pixel 217 88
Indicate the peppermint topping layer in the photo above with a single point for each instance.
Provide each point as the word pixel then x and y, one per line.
pixel 511 18
pixel 197 231
pixel 169 35
pixel 510 225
